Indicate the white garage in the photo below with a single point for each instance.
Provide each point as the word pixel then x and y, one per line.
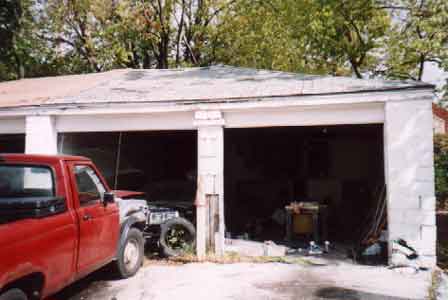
pixel 248 138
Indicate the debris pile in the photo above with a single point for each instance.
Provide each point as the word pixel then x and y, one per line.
pixel 404 256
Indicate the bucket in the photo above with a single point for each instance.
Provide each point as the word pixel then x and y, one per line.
pixel 303 224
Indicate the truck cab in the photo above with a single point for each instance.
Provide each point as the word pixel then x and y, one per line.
pixel 58 222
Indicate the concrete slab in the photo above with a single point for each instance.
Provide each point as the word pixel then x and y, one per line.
pixel 254 249
pixel 274 281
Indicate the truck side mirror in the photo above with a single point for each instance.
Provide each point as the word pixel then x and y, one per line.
pixel 108 197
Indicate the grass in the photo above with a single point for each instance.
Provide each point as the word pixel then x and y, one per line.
pixel 233 257
pixel 228 258
pixel 435 281
pixel 442 255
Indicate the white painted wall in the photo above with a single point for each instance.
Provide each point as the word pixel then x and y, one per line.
pixel 12 125
pixel 409 168
pixel 41 135
pixel 125 122
pixel 371 113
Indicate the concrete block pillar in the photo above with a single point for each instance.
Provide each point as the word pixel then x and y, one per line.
pixel 409 170
pixel 41 135
pixel 210 176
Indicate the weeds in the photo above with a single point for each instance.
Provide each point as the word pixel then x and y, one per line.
pixel 233 257
pixel 442 255
pixel 435 282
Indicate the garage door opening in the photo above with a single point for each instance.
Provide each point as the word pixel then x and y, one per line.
pixel 338 168
pixel 12 143
pixel 160 163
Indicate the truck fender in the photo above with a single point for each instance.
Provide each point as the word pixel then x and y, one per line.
pixel 130 222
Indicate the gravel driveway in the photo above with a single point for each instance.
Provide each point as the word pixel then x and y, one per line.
pixel 242 281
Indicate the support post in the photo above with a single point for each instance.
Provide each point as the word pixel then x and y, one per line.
pixel 210 180
pixel 41 135
pixel 409 174
pixel 213 221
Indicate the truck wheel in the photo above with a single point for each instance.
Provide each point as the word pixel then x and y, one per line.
pixel 177 237
pixel 13 294
pixel 130 254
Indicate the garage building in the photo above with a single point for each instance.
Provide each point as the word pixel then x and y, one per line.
pixel 255 141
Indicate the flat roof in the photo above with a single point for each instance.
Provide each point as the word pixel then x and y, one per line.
pixel 185 85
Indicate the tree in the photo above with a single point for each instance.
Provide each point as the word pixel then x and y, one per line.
pixel 76 29
pixel 443 98
pixel 418 35
pixel 10 14
pixel 348 33
pixel 254 34
pixel 15 36
pixel 361 38
pixel 441 167
pixel 337 37
pixel 103 34
pixel 22 53
pixel 197 28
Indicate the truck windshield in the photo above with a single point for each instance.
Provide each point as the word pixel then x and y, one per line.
pixel 17 181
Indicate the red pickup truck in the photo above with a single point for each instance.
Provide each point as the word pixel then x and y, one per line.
pixel 58 222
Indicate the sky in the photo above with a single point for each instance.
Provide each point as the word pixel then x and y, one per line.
pixel 433 74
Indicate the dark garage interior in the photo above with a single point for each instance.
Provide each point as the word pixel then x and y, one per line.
pixel 12 143
pixel 338 168
pixel 160 163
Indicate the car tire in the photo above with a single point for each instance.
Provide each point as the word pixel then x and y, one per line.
pixel 130 254
pixel 166 249
pixel 14 294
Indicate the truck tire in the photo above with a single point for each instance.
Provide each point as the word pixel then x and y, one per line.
pixel 130 254
pixel 13 294
pixel 185 234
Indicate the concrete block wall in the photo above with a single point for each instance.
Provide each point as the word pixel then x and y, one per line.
pixel 409 170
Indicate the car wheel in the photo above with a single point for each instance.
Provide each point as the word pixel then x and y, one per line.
pixel 13 294
pixel 177 237
pixel 130 254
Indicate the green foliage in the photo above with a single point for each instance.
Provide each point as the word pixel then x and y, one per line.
pixel 444 94
pixel 11 29
pixel 351 37
pixel 10 12
pixel 98 35
pixel 254 34
pixel 77 29
pixel 302 35
pixel 419 35
pixel 347 34
pixel 441 169
pixel 23 53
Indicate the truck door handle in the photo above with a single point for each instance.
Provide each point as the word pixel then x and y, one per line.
pixel 87 217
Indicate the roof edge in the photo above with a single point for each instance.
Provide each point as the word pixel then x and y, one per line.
pixel 429 87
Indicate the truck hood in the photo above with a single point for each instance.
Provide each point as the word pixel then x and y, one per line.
pixel 129 194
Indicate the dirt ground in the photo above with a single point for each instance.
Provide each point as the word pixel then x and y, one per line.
pixel 242 281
